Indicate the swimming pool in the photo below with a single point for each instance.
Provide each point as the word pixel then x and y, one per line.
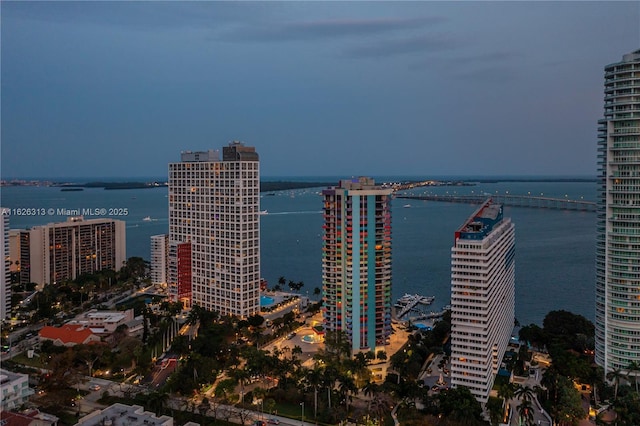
pixel 423 326
pixel 311 338
pixel 266 301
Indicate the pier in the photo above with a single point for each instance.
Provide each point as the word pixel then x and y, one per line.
pixel 511 200
pixel 409 302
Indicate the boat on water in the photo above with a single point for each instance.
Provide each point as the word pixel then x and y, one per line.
pixel 263 212
pixel 409 299
pixel 147 219
pixel 407 206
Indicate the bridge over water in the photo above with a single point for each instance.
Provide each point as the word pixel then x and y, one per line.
pixel 511 200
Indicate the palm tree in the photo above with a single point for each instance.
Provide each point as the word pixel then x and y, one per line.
pixel 506 392
pixel 157 401
pixel 615 375
pixel 524 393
pixel 634 370
pixel 495 408
pixel 296 351
pixel 313 379
pixel 241 376
pixel 525 411
pixel 347 387
pixel 329 380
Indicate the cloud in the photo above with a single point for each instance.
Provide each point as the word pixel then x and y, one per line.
pixel 488 57
pixel 471 62
pixel 325 29
pixel 386 48
pixel 141 16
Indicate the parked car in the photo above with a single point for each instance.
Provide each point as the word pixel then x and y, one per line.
pixel 273 421
pixel 94 387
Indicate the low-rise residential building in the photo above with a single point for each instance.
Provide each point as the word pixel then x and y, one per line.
pixel 124 415
pixel 28 418
pixel 103 322
pixel 14 388
pixel 68 335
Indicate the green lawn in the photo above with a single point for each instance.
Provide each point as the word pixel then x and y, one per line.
pixel 22 358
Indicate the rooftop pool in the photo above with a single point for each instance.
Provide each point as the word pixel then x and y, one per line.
pixel 266 301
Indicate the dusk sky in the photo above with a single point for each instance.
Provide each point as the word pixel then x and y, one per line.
pixel 119 89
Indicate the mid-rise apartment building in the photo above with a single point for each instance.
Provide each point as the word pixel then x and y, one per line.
pixel 14 390
pixel 55 252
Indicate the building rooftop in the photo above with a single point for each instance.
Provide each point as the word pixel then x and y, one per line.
pixel 199 156
pixel 124 415
pixel 106 316
pixel 481 222
pixel 9 376
pixel 67 333
pixel 10 418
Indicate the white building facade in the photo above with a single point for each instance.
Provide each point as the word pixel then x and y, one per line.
pixel 214 226
pixel 159 256
pixel 482 298
pixel 60 251
pixel 5 273
pixel 14 390
pixel 124 415
pixel 617 319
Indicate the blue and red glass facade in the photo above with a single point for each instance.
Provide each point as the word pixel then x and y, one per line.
pixel 356 262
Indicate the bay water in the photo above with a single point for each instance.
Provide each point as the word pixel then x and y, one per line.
pixel 555 249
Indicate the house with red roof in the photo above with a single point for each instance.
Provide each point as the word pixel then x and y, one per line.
pixel 68 335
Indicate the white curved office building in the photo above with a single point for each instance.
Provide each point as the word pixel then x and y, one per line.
pixel 618 224
pixel 482 298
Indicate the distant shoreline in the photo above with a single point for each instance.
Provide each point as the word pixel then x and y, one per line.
pixel 280 185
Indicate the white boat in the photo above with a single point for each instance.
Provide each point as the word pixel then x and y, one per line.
pixel 412 298
pixel 263 212
pixel 147 219
pixel 406 206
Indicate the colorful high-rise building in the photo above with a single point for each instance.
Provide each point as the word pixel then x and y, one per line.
pixel 482 298
pixel 214 208
pixel 356 262
pixel 617 320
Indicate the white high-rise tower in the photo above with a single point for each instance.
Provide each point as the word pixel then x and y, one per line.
pixel 618 225
pixel 5 274
pixel 482 298
pixel 214 230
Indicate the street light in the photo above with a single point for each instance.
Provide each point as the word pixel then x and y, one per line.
pixel 302 405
